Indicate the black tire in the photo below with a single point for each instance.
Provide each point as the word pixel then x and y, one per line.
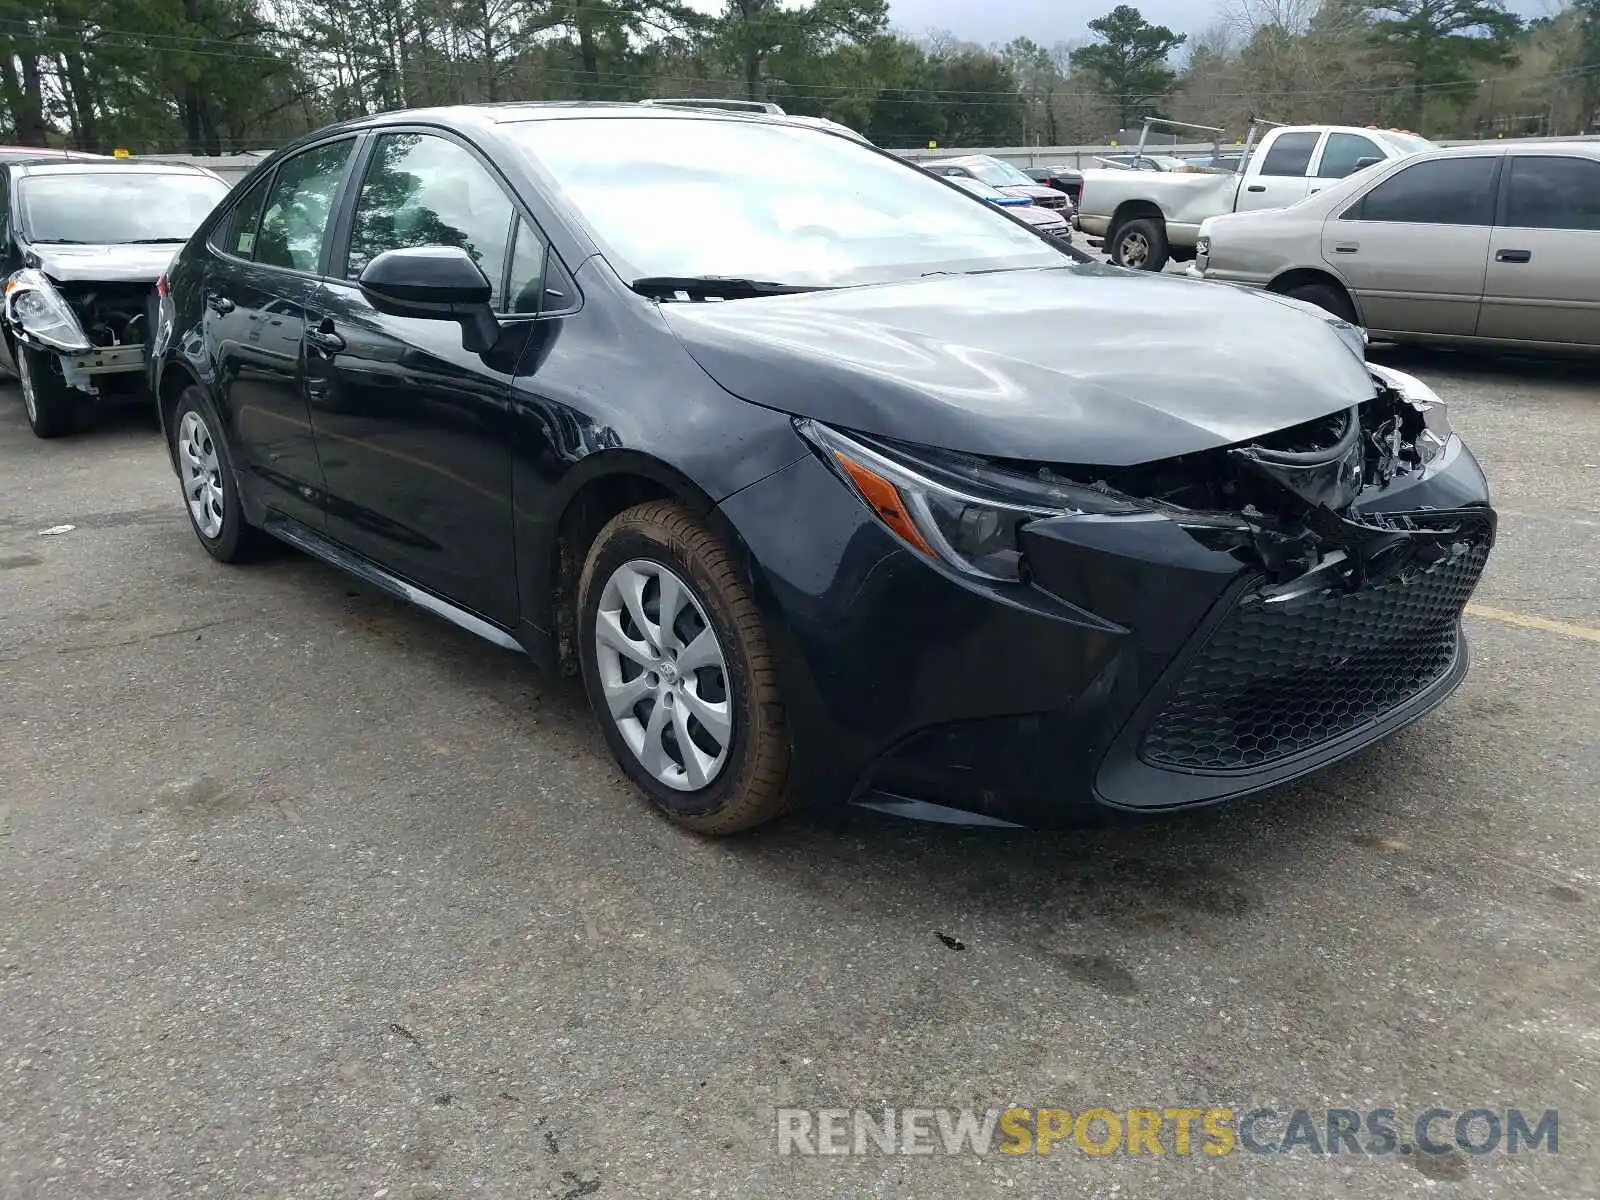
pixel 751 786
pixel 233 539
pixel 1327 296
pixel 53 409
pixel 1140 244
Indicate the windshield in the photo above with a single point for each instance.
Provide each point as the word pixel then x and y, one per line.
pixel 1001 174
pixel 105 208
pixel 696 197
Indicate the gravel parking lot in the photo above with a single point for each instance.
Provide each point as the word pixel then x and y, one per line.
pixel 307 894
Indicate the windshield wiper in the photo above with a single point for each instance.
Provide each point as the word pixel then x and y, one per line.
pixel 725 287
pixel 59 242
pixel 155 241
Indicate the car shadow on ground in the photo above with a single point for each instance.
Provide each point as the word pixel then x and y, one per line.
pixel 1178 872
pixel 1488 365
pixel 1146 874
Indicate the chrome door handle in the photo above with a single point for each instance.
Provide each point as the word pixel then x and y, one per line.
pixel 324 337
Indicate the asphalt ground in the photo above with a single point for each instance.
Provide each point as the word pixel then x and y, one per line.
pixel 305 894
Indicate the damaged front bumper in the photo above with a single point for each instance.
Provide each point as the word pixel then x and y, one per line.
pixel 1169 658
pixel 38 316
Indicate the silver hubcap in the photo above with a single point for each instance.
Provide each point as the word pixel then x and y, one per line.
pixel 202 474
pixel 1135 249
pixel 25 377
pixel 664 675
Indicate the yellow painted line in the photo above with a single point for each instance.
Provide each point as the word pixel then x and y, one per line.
pixel 1527 622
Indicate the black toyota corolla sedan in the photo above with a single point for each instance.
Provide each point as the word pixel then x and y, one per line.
pixel 854 490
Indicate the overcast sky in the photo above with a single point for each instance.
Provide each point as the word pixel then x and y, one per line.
pixel 1050 21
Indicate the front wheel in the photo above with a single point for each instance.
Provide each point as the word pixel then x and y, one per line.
pixel 679 673
pixel 54 409
pixel 1140 245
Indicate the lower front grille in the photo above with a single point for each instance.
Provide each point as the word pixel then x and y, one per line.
pixel 1272 683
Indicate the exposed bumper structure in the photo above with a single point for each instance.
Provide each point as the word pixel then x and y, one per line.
pixel 92 330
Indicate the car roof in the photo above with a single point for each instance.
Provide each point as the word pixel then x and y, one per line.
pixel 1366 130
pixel 1572 148
pixel 485 117
pixel 50 153
pixel 99 166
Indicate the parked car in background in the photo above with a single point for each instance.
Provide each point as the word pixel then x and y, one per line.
pixel 1496 244
pixel 848 490
pixel 1141 162
pixel 1217 162
pixel 1024 209
pixel 1000 174
pixel 1149 217
pixel 84 244
pixel 1063 179
pixel 27 153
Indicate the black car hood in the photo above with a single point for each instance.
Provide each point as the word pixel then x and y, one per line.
pixel 104 264
pixel 1086 364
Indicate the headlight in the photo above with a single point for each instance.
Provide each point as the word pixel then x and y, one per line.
pixel 953 508
pixel 1418 394
pixel 33 305
pixel 1436 431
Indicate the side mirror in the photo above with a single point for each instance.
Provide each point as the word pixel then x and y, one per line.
pixel 439 283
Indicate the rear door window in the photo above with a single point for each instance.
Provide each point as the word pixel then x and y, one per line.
pixel 1553 192
pixel 237 236
pixel 295 222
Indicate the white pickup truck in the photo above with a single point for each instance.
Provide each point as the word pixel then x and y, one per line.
pixel 1149 217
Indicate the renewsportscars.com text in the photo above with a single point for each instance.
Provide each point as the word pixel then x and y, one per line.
pixel 1374 1132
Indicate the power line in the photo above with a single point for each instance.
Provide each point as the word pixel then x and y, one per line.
pixel 876 94
pixel 238 51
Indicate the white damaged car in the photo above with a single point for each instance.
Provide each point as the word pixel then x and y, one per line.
pixel 82 247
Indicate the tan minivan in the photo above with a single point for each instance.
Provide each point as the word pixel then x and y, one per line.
pixel 1495 244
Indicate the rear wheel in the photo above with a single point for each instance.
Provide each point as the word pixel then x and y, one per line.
pixel 1327 296
pixel 53 408
pixel 1140 245
pixel 210 486
pixel 680 675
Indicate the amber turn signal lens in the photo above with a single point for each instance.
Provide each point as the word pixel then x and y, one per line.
pixel 885 500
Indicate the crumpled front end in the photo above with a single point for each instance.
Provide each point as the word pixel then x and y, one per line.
pixel 1359 537
pixel 92 329
pixel 1146 637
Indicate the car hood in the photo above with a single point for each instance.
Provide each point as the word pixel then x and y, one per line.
pixel 1036 191
pixel 1034 215
pixel 104 264
pixel 1082 364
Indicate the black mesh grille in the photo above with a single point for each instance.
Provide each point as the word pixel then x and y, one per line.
pixel 1270 683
